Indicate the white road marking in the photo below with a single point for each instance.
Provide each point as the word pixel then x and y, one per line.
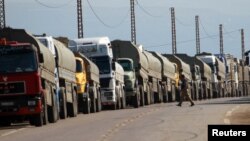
pixel 227 121
pixel 229 113
pixel 12 132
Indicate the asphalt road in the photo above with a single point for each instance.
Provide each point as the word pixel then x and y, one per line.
pixel 158 122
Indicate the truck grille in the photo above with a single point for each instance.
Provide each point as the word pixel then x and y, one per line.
pixel 105 82
pixel 12 88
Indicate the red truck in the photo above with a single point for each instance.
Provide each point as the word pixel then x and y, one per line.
pixel 27 81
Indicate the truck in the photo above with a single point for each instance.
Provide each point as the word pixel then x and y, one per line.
pixel 218 73
pixel 196 76
pixel 88 85
pixel 231 73
pixel 27 81
pixel 65 74
pixel 168 73
pixel 244 78
pixel 182 68
pixel 154 78
pixel 135 65
pixel 206 80
pixel 99 50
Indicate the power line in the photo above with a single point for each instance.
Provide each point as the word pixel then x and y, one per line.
pixel 102 21
pixel 182 23
pixel 208 35
pixel 146 11
pixel 50 6
pixel 191 40
pixel 229 35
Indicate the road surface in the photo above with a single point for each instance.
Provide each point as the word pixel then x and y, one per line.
pixel 158 122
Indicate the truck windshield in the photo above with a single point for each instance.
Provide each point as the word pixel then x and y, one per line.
pixel 209 62
pixel 127 66
pixel 103 63
pixel 79 67
pixel 211 65
pixel 18 61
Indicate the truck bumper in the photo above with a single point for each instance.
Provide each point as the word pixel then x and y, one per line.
pixel 108 96
pixel 20 106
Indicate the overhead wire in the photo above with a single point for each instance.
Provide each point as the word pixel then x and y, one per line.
pixel 50 6
pixel 229 35
pixel 190 40
pixel 182 23
pixel 102 21
pixel 146 11
pixel 205 31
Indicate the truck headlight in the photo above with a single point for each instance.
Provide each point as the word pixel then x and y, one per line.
pixel 32 103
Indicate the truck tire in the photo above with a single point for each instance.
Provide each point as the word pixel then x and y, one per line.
pixel 142 99
pixel 52 110
pixel 38 120
pixel 86 105
pixel 113 107
pixel 165 94
pixel 4 122
pixel 136 98
pixel 172 94
pixel 72 107
pixel 123 99
pixel 147 96
pixel 158 95
pixel 152 100
pixel 98 101
pixel 93 100
pixel 63 103
pixel 118 98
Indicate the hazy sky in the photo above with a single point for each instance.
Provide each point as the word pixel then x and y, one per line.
pixel 58 18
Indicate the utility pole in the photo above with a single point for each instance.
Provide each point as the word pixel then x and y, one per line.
pixel 79 19
pixel 221 39
pixel 2 14
pixel 174 49
pixel 197 29
pixel 243 60
pixel 133 28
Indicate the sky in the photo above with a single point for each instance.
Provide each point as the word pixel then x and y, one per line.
pixel 153 21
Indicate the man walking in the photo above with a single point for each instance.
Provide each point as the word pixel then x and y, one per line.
pixel 184 92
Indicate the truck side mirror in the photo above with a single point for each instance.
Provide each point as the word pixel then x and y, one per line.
pixel 139 66
pixel 227 69
pixel 113 66
pixel 41 59
pixel 247 60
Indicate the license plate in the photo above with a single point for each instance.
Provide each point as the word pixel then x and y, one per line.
pixel 7 104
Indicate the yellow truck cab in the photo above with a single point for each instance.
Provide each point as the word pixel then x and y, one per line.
pixel 88 85
pixel 81 76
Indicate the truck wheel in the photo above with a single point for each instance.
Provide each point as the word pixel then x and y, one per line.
pixel 123 99
pixel 4 122
pixel 86 105
pixel 93 100
pixel 147 96
pixel 118 105
pixel 136 99
pixel 98 101
pixel 38 120
pixel 72 107
pixel 165 94
pixel 45 111
pixel 113 107
pixel 63 104
pixel 52 110
pixel 142 100
pixel 158 95
pixel 152 100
